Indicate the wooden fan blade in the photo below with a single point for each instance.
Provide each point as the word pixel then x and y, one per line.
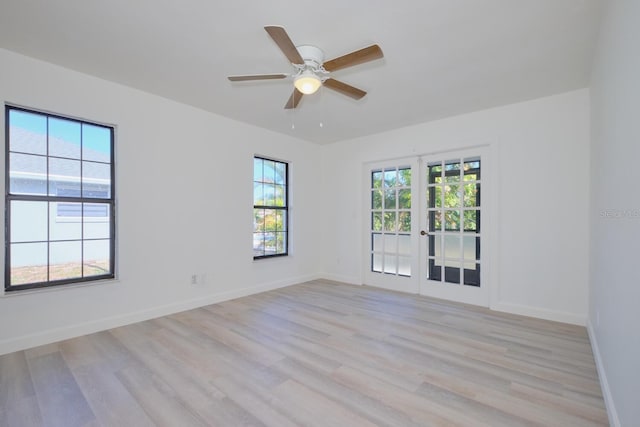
pixel 256 77
pixel 345 89
pixel 294 100
pixel 280 36
pixel 354 58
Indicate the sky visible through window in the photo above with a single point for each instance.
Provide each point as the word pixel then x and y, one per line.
pixel 95 138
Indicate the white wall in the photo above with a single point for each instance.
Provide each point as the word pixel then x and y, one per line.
pixel 165 234
pixel 614 314
pixel 541 149
pixel 184 206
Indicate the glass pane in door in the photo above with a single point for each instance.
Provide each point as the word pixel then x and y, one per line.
pixel 390 225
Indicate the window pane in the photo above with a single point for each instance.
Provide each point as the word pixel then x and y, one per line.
pixel 404 177
pixel 258 244
pixel 451 196
pixel 280 220
pixel 390 221
pixel 376 179
pixel 471 195
pixel 65 260
pixel 404 199
pixel 376 199
pixel 376 242
pixel 404 244
pixel 471 221
pixel 452 275
pixel 471 248
pixel 404 221
pixel 390 178
pixel 472 169
pixel 270 220
pixel 257 169
pixel 258 193
pixel 27 132
pixel 389 199
pixel 97 257
pixel 452 220
pixel 404 266
pixel 258 220
pixel 472 274
pixel 376 221
pixel 96 221
pixel 281 174
pixel 281 242
pixel 452 171
pixel 28 263
pixel 96 180
pixel 279 195
pixel 376 263
pixel 434 272
pixel 65 221
pixel 64 177
pixel 434 245
pixel 269 243
pixel 452 247
pixel 64 138
pixel 28 221
pixel 27 174
pixel 96 143
pixel 390 243
pixel 390 263
pixel 269 171
pixel 269 195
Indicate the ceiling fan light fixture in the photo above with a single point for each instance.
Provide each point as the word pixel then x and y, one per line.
pixel 307 82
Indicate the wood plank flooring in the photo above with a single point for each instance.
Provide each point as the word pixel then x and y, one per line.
pixel 315 354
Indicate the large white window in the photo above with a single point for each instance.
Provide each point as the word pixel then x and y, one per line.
pixel 59 200
pixel 270 208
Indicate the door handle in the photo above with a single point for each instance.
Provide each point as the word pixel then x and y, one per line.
pixel 423 233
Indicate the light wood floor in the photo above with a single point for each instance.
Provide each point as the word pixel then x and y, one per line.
pixel 316 354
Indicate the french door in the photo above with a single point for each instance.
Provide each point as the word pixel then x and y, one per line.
pixel 425 227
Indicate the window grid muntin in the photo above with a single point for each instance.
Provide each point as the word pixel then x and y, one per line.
pixel 48 198
pixel 282 209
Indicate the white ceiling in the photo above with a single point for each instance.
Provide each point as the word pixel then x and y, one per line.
pixel 442 57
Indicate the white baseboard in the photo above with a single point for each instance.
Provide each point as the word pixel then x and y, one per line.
pixel 604 383
pixel 67 332
pixel 540 313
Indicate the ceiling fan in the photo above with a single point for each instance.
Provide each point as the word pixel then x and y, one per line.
pixel 311 71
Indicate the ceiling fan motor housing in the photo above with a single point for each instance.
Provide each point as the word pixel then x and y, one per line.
pixel 313 57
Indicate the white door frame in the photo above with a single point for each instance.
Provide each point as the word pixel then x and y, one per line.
pixel 416 284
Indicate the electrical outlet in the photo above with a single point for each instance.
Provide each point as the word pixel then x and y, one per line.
pixel 194 279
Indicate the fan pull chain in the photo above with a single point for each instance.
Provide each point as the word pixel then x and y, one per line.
pixel 293 113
